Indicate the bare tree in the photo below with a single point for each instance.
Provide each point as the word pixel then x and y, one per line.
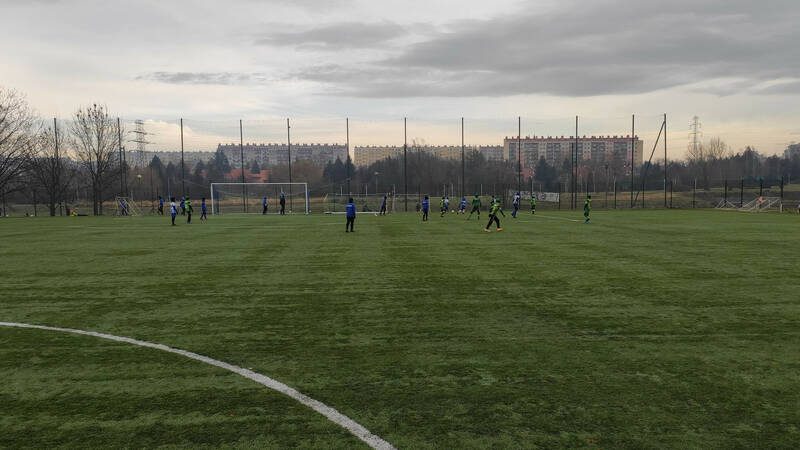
pixel 95 136
pixel 47 166
pixel 705 156
pixel 16 122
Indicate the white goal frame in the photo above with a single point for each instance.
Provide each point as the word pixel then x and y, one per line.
pixel 304 186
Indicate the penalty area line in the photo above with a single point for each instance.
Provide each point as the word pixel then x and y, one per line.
pixel 332 414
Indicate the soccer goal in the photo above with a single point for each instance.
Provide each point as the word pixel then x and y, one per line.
pixel 248 198
pixel 335 203
pixel 126 207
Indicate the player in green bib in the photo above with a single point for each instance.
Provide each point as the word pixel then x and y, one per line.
pixel 533 204
pixel 476 206
pixel 587 207
pixel 493 210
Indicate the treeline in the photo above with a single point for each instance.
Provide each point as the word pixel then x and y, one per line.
pixel 60 165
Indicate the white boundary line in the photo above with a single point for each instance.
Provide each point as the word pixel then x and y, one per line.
pixel 332 414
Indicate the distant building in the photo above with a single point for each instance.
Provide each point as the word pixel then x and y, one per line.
pixel 278 154
pixel 594 149
pixel 366 155
pixel 137 158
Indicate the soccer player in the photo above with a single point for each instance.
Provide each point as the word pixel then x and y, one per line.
pixel 160 206
pixel 283 204
pixel 265 204
pixel 441 207
pixel 188 205
pixel 587 207
pixel 425 207
pixel 516 205
pixel 351 216
pixel 533 204
pixel 173 210
pixel 203 210
pixel 476 207
pixel 493 210
pixel 463 206
pixel 446 204
pixel 383 207
pixel 183 206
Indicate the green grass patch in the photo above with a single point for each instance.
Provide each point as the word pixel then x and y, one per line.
pixel 643 329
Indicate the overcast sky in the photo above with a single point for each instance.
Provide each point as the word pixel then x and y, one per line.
pixel 734 63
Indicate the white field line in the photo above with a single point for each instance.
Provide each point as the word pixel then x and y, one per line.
pixel 332 414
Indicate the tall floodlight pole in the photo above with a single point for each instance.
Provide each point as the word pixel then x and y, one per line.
pixel 347 161
pixel 405 160
pixel 121 170
pixel 519 153
pixel 575 168
pixel 633 151
pixel 183 177
pixel 462 158
pixel 241 165
pixel 289 147
pixel 58 163
pixel 665 162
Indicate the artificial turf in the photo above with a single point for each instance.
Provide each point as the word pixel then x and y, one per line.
pixel 643 329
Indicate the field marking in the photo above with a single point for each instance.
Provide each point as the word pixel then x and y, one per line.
pixel 332 414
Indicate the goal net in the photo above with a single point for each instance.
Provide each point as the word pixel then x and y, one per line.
pixel 335 203
pixel 248 198
pixel 126 207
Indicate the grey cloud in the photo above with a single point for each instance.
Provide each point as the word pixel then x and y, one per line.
pixel 584 49
pixel 788 88
pixel 224 78
pixel 335 36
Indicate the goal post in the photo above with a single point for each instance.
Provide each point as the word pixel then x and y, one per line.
pixel 248 198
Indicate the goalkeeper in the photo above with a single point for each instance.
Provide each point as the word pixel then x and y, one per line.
pixel 587 207
pixel 493 210
pixel 476 206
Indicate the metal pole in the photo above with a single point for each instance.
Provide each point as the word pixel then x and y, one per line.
pixel 665 160
pixel 183 181
pixel 573 155
pixel 121 171
pixel 405 161
pixel 289 147
pixel 347 162
pixel 694 192
pixel 741 192
pixel 760 187
pixel 725 194
pixel 58 166
pixel 241 164
pixel 519 154
pixel 633 151
pixel 462 157
pixel 615 192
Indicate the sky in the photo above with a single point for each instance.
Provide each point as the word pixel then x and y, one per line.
pixel 733 63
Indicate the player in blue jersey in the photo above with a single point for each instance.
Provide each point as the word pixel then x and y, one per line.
pixel 516 205
pixel 425 207
pixel 351 216
pixel 160 206
pixel 265 204
pixel 203 210
pixel 383 207
pixel 463 207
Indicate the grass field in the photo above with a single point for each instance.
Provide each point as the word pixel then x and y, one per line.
pixel 644 329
